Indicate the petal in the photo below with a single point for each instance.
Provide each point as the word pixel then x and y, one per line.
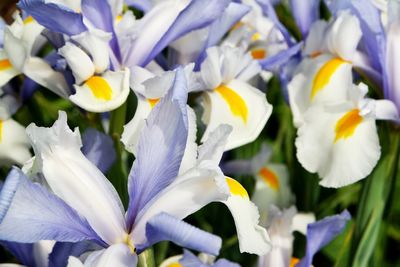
pixel 54 17
pixel 166 227
pixel 213 148
pixel 142 5
pixel 240 105
pixel 76 180
pixel 301 221
pixel 102 93
pixel 315 40
pixel 7 71
pixel 99 149
pixel 211 68
pixel 26 215
pixel 63 250
pixel 252 237
pixel 386 110
pixel 305 13
pixel 320 233
pixel 21 251
pixel 274 62
pixel 14 143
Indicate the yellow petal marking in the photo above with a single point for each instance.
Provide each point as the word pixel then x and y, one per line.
pixel 236 103
pixel 28 20
pixel 5 64
pixel 237 26
pixel 258 53
pixel 153 101
pixel 1 130
pixel 99 87
pixel 236 188
pixel 315 54
pixel 129 243
pixel 347 124
pixel 175 264
pixel 269 178
pixel 255 37
pixel 324 75
pixel 293 262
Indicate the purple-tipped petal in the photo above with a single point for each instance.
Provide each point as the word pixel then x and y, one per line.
pixel 274 62
pixel 166 227
pixel 320 233
pixel 99 149
pixel 54 17
pixel 62 250
pixel 160 149
pixel 305 12
pixel 23 252
pixel 29 213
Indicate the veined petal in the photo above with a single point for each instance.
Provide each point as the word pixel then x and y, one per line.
pixel 252 237
pixel 166 227
pixel 7 71
pixel 63 250
pixel 341 145
pixel 54 17
pixel 99 149
pixel 76 180
pixel 319 80
pixel 119 255
pixel 80 63
pixel 14 143
pixel 96 43
pixel 29 213
pixel 240 105
pixel 21 251
pixel 102 93
pixel 320 233
pixel 305 13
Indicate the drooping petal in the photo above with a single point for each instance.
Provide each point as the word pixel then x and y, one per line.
pixel 99 149
pixel 339 144
pixel 63 250
pixel 386 110
pixel 14 143
pixel 320 233
pixel 101 93
pixel 7 71
pixel 166 227
pixel 159 155
pixel 273 63
pixel 54 17
pixel 21 251
pixel 239 105
pixel 30 213
pixel 72 177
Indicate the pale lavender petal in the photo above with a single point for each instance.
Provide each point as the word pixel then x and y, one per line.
pixel 305 12
pixel 191 260
pixel 225 263
pixel 320 233
pixel 142 5
pixel 160 150
pixel 237 167
pixel 62 250
pixel 196 15
pixel 54 17
pixel 99 149
pixel 29 213
pixel 166 227
pixel 273 63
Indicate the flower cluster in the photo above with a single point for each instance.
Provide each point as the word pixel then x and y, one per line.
pixel 183 103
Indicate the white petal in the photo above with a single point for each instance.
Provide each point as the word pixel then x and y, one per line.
pixel 190 154
pixel 80 63
pixel 301 221
pixel 103 93
pixel 41 252
pixel 252 237
pixel 96 43
pixel 239 105
pixel 76 180
pixel 386 110
pixel 8 106
pixel 171 261
pixel 211 68
pixel 14 143
pixel 119 255
pixel 315 39
pixel 7 71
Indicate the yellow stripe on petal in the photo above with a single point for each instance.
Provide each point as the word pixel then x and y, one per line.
pixel 347 124
pixel 5 64
pixel 258 53
pixel 99 87
pixel 269 178
pixel 324 75
pixel 236 188
pixel 1 130
pixel 293 262
pixel 255 37
pixel 28 20
pixel 236 103
pixel 153 101
pixel 175 264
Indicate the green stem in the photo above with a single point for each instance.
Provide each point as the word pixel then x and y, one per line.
pixel 146 258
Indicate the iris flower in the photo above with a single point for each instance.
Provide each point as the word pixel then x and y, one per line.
pixel 188 259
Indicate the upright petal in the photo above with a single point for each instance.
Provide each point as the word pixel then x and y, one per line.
pixel 22 251
pixel 76 180
pixel 166 227
pixel 29 213
pixel 7 71
pixel 305 13
pixel 320 233
pixel 14 143
pixel 63 250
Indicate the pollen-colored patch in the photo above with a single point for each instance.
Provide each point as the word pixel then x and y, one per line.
pixel 236 103
pixel 119 18
pixel 237 26
pixel 293 261
pixel 324 75
pixel 153 101
pixel 175 264
pixel 347 124
pixel 236 188
pixel 256 36
pixel 1 130
pixel 315 54
pixel 129 243
pixel 5 64
pixel 258 53
pixel 99 87
pixel 269 178
pixel 28 20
